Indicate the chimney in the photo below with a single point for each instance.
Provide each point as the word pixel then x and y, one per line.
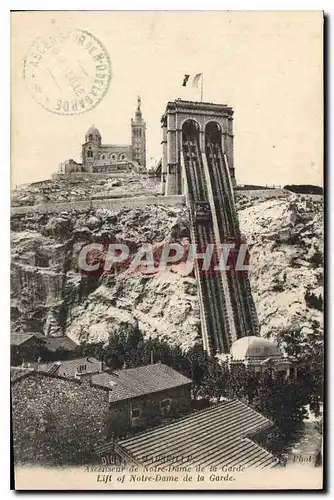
pixel 101 367
pixel 152 357
pixel 85 378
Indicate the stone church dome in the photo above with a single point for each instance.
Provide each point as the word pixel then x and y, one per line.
pixel 93 130
pixel 93 135
pixel 254 347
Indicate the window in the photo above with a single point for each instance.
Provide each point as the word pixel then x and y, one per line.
pixel 82 368
pixel 89 154
pixel 135 412
pixel 90 137
pixel 165 405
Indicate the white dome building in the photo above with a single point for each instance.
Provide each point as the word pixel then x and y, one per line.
pixel 254 347
pixel 261 354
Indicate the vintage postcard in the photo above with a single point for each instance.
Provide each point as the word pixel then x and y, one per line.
pixel 167 250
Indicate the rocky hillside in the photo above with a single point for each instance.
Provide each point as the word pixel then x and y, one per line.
pixel 82 187
pixel 285 237
pixel 51 296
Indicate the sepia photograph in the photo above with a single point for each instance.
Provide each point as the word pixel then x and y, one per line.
pixel 167 248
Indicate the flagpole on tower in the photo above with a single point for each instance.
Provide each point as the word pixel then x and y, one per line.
pixel 202 87
pixel 196 80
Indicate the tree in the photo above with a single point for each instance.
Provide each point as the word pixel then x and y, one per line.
pixel 206 372
pixel 281 401
pixel 241 383
pixel 308 349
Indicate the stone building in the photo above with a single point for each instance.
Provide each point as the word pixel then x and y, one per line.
pixel 62 414
pixel 144 396
pixel 109 158
pixel 32 347
pixel 56 420
pixel 25 347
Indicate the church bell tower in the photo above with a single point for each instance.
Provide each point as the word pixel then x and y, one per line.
pixel 138 136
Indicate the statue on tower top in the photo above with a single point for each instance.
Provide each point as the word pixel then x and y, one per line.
pixel 138 110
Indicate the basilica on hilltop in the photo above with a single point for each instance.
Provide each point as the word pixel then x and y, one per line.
pixel 109 158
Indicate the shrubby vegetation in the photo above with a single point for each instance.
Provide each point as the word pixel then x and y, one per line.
pixel 313 301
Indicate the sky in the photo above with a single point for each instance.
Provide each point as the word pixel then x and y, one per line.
pixel 266 65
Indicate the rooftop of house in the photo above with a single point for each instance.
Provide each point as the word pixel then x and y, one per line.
pixel 51 343
pixel 127 383
pixel 54 343
pixel 17 372
pixel 70 365
pixel 217 436
pixel 17 339
pixel 134 382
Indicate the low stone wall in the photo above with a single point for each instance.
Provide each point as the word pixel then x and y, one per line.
pixel 110 204
pixel 96 175
pixel 261 193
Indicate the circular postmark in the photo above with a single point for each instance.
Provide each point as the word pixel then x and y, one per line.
pixel 67 73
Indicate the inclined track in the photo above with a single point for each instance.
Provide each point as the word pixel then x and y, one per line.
pixel 202 234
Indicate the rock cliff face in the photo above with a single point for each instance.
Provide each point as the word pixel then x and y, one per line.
pixel 50 295
pixel 285 237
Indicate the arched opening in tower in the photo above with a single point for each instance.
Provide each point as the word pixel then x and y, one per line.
pixel 193 173
pixel 213 133
pixel 190 131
